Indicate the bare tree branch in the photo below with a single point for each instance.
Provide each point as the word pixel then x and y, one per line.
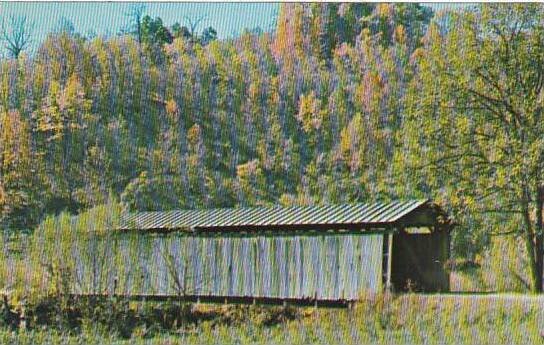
pixel 193 25
pixel 136 14
pixel 16 34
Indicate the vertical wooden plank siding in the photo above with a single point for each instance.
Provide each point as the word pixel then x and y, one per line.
pixel 326 267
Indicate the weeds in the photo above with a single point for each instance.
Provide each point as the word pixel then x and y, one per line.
pixel 379 320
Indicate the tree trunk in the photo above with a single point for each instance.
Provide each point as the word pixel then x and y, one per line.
pixel 539 238
pixel 536 283
pixel 539 253
pixel 532 251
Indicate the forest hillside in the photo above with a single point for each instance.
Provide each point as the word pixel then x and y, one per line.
pixel 338 104
pixel 308 114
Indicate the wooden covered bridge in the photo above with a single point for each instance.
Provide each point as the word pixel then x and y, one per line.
pixel 331 253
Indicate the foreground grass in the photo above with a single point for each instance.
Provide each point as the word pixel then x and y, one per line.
pixel 407 319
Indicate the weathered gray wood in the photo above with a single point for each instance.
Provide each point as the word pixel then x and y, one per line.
pixel 328 267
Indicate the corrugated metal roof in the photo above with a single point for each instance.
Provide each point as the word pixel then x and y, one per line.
pixel 277 217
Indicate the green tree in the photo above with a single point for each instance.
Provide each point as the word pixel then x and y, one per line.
pixel 250 183
pixel 475 117
pixel 209 34
pixel 154 32
pixel 179 31
pixel 136 14
pixel 388 19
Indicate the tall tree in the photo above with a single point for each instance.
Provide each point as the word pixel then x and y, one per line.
pixel 154 32
pixel 16 33
pixel 136 15
pixel 179 31
pixel 475 120
pixel 193 24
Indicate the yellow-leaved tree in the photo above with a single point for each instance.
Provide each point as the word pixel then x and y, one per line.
pixel 17 171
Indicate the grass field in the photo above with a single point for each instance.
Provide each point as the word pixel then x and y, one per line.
pixel 405 319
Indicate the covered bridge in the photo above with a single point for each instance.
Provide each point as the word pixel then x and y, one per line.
pixel 310 253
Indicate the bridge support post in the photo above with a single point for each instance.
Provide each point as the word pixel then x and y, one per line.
pixel 388 284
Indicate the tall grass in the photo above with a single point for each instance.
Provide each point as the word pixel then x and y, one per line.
pixel 502 267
